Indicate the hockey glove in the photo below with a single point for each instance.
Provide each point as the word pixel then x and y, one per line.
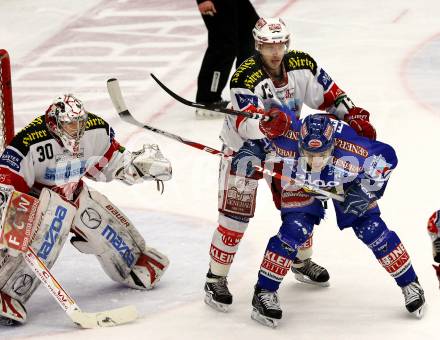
pixel 277 126
pixel 359 120
pixel 252 152
pixel 357 198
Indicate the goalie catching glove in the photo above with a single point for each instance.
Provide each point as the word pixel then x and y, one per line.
pixel 145 165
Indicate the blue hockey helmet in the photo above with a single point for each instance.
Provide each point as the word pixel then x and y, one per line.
pixel 316 134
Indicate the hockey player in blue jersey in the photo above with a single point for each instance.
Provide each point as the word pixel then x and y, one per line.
pixel 328 154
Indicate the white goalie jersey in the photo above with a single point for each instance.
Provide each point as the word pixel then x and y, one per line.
pixel 35 159
pixel 303 82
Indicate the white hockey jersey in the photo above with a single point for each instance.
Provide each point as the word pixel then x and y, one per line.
pixel 34 159
pixel 304 82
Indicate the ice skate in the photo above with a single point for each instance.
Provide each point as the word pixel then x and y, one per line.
pixel 217 292
pixel 309 272
pixel 266 307
pixel 414 298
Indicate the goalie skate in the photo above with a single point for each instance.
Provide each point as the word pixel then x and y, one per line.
pixel 266 307
pixel 414 299
pixel 217 292
pixel 311 273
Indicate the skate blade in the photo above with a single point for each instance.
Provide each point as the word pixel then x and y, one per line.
pixel 418 313
pixel 221 307
pixel 206 114
pixel 264 320
pixel 304 279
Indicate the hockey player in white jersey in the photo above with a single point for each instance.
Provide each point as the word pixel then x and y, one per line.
pixel 50 156
pixel 274 81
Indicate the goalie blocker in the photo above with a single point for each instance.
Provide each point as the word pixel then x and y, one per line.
pixel 99 228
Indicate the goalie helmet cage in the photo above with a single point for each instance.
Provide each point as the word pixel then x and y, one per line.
pixel 6 108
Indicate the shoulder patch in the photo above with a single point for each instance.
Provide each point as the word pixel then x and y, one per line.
pixel 34 132
pixel 248 74
pixel 95 122
pixel 297 60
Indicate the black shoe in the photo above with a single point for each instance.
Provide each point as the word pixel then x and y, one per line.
pixel 414 298
pixel 311 272
pixel 209 114
pixel 218 295
pixel 266 309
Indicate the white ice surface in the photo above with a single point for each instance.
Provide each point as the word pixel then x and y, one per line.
pixel 385 54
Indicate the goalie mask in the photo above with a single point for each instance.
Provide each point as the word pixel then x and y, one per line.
pixel 66 120
pixel 316 140
pixel 271 31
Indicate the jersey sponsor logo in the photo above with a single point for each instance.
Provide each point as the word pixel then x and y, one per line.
pixel 275 266
pixel 91 218
pixel 253 78
pixel 244 100
pixel 397 261
pixel 346 165
pixel 296 198
pixel 324 79
pixel 284 152
pixel 377 167
pixel 301 63
pixel 71 170
pixel 53 232
pixel 33 136
pixel 221 256
pixel 247 64
pixel 115 212
pixel 11 159
pixel 351 147
pixel 229 237
pixel 94 122
pixel 22 284
pixel 293 135
pixel 36 122
pixel 119 244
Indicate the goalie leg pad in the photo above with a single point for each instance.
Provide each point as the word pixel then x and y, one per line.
pixel 103 230
pixel 54 216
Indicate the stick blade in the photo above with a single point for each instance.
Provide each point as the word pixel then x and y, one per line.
pixel 109 318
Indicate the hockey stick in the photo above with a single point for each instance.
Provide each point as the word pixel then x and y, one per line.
pixel 106 318
pixel 182 100
pixel 118 102
pixel 115 93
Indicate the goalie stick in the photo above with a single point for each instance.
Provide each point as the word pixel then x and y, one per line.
pixel 182 100
pixel 106 318
pixel 115 93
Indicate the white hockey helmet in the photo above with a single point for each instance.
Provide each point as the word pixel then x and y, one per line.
pixel 270 31
pixel 66 120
